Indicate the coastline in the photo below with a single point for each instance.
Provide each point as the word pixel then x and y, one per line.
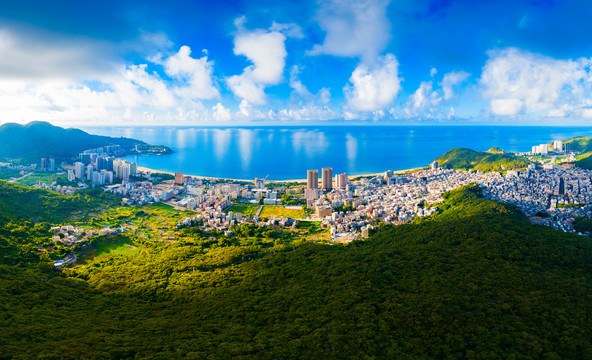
pixel 398 172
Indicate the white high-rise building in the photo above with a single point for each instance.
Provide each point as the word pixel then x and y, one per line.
pixel 79 170
pixel 89 172
pixel 133 168
pixel 97 178
pixel 558 146
pixel 107 176
pixel 71 176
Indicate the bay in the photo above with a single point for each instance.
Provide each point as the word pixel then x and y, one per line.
pixel 281 153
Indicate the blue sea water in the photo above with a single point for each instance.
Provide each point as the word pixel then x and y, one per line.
pixel 287 152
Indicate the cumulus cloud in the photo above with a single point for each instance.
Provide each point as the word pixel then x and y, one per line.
pixel 267 51
pixel 517 81
pixel 55 89
pixel 361 29
pixel 355 28
pixel 427 101
pixel 373 88
pixel 220 113
pixel 423 101
pixel 196 73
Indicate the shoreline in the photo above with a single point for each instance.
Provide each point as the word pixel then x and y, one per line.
pixel 145 169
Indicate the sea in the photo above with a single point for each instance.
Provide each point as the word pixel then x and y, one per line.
pixel 285 153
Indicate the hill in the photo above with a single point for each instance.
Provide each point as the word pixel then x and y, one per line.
pixel 19 202
pixel 467 159
pixel 476 280
pixel 26 144
pixel 581 143
pixel 495 150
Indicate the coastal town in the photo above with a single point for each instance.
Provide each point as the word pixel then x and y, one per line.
pixel 549 192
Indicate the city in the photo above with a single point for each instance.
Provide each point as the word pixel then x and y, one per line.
pixel 349 209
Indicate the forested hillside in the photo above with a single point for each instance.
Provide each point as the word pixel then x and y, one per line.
pixel 467 159
pixel 29 143
pixel 474 281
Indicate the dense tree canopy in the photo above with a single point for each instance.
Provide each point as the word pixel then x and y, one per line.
pixel 467 159
pixel 474 281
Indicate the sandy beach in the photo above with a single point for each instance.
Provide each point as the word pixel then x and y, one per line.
pixel 145 169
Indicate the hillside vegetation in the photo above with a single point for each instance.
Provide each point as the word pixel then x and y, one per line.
pixel 474 281
pixel 580 143
pixel 467 159
pixel 26 144
pixel 20 202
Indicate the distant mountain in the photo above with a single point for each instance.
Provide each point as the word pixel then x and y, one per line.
pixel 467 159
pixel 27 144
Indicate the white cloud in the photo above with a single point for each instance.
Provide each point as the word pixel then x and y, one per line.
pixel 307 113
pixel 516 81
pixel 148 89
pixel 506 106
pixel 355 28
pixel 373 88
pixel 427 101
pixel 244 108
pixel 197 73
pixel 40 82
pixel 267 51
pixel 450 80
pixel 297 85
pixel 46 56
pixel 423 102
pixel 290 30
pixel 324 96
pixel 220 113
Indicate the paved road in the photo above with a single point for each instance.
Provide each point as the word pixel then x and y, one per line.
pixel 22 177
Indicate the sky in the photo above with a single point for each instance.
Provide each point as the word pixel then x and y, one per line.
pixel 88 63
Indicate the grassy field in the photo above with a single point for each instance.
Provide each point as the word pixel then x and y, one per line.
pixel 117 248
pixel 246 210
pixel 156 221
pixel 269 211
pixel 44 177
pixel 311 230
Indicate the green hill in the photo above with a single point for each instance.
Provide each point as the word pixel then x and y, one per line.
pixel 581 144
pixel 475 281
pixel 495 150
pixel 19 202
pixel 28 143
pixel 467 159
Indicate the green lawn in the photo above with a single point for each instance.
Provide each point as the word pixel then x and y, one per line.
pixel 117 248
pixel 246 210
pixel 44 177
pixel 269 211
pixel 311 230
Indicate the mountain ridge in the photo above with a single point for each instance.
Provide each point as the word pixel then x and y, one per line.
pixel 26 144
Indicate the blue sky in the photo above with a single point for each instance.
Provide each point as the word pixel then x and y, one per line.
pixel 294 62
